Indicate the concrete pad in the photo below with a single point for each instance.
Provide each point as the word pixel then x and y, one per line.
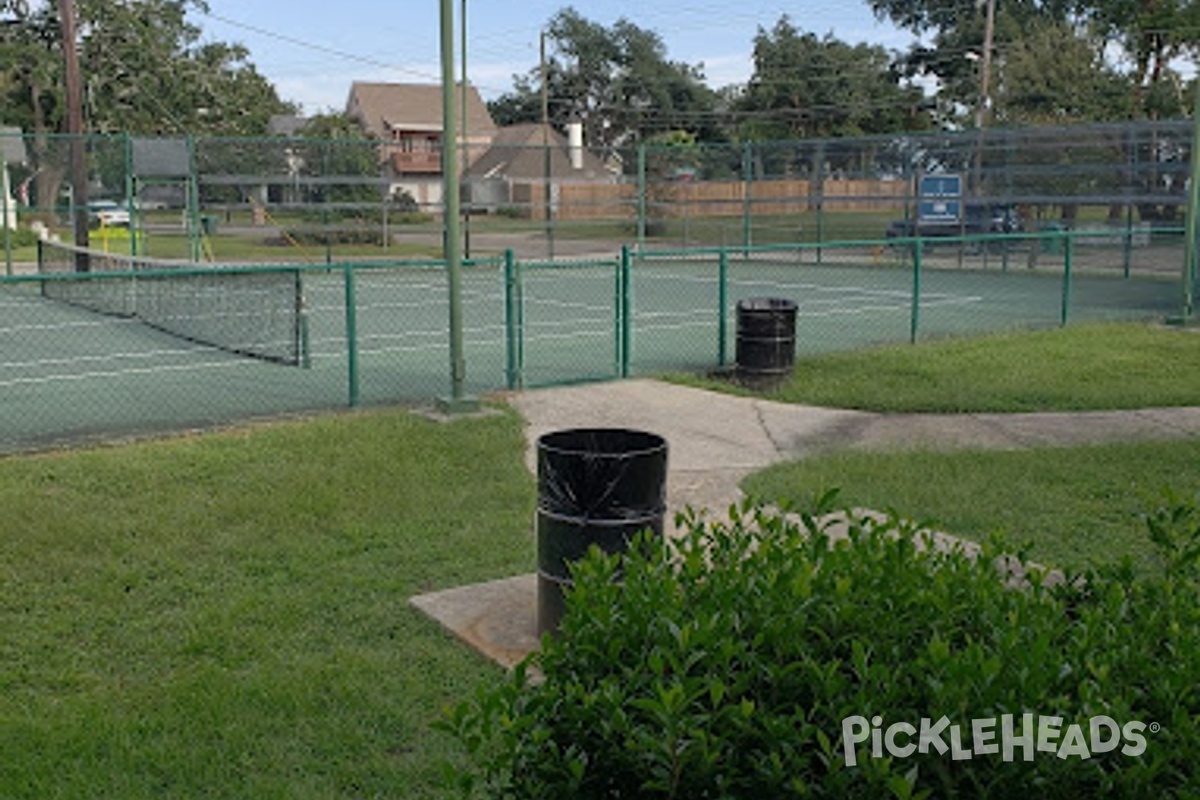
pixel 497 618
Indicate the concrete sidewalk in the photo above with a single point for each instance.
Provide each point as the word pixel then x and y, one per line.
pixel 715 440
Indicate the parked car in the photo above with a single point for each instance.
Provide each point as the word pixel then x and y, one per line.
pixel 978 219
pixel 108 213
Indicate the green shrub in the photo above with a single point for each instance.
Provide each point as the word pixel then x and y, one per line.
pixel 728 666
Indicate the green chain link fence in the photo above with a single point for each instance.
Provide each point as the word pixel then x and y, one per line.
pixel 372 333
pixel 615 264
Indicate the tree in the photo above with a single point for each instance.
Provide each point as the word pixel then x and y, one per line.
pixel 617 81
pixel 804 87
pixel 1152 33
pixel 145 72
pixel 1054 77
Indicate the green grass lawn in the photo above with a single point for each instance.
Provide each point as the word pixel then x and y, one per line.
pixel 1087 366
pixel 226 615
pixel 1074 505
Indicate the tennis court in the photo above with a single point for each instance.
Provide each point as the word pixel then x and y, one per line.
pixel 365 334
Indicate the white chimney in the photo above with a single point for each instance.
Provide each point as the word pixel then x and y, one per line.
pixel 575 143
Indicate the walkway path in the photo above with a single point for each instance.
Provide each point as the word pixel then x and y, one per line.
pixel 714 440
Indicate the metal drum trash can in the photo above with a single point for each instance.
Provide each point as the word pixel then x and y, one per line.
pixel 766 340
pixel 596 486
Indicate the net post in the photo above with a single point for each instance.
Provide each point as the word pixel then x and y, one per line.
pixel 1068 246
pixel 351 336
pixel 915 318
pixel 723 307
pixel 618 292
pixel 510 318
pixel 626 320
pixel 304 356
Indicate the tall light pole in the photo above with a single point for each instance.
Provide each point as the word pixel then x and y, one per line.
pixel 457 402
pixel 466 153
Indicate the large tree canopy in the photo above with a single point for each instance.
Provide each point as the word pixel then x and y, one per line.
pixel 1150 33
pixel 806 86
pixel 143 67
pixel 616 80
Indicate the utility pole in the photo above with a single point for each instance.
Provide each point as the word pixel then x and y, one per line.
pixel 79 177
pixel 985 101
pixel 457 402
pixel 466 153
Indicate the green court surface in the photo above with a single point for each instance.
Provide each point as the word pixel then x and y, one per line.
pixel 379 333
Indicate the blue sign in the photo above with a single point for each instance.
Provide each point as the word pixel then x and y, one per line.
pixel 939 198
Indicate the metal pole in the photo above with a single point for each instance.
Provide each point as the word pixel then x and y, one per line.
pixel 641 196
pixel 466 155
pixel 626 312
pixel 510 317
pixel 351 336
pixel 1068 240
pixel 1187 304
pixel 457 402
pixel 915 317
pixel 722 308
pixel 546 187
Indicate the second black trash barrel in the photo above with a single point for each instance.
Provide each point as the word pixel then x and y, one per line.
pixel 596 486
pixel 766 340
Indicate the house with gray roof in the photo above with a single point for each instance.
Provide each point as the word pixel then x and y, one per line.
pixel 516 163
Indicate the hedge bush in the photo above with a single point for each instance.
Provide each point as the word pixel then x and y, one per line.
pixel 727 665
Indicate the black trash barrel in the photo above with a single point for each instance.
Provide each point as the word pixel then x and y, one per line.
pixel 596 486
pixel 766 340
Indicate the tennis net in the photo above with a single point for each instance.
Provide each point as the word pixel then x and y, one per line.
pixel 255 311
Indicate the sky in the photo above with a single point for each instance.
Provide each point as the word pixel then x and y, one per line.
pixel 313 49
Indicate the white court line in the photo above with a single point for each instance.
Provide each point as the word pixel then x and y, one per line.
pixel 83 359
pixel 83 376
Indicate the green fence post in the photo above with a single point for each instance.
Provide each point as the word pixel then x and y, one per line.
pixel 130 196
pixel 723 308
pixel 641 197
pixel 8 259
pixel 193 201
pixel 351 335
pixel 624 315
pixel 510 318
pixel 747 189
pixel 302 321
pixel 1068 246
pixel 915 320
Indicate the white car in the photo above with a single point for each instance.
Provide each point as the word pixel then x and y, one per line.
pixel 108 214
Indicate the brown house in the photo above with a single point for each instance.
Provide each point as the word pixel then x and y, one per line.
pixel 407 119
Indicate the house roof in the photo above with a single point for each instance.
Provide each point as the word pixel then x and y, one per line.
pixel 381 107
pixel 12 145
pixel 286 125
pixel 516 153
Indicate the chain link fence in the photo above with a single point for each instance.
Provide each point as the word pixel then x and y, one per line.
pixel 650 261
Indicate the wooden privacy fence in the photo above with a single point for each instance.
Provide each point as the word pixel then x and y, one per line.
pixel 619 201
